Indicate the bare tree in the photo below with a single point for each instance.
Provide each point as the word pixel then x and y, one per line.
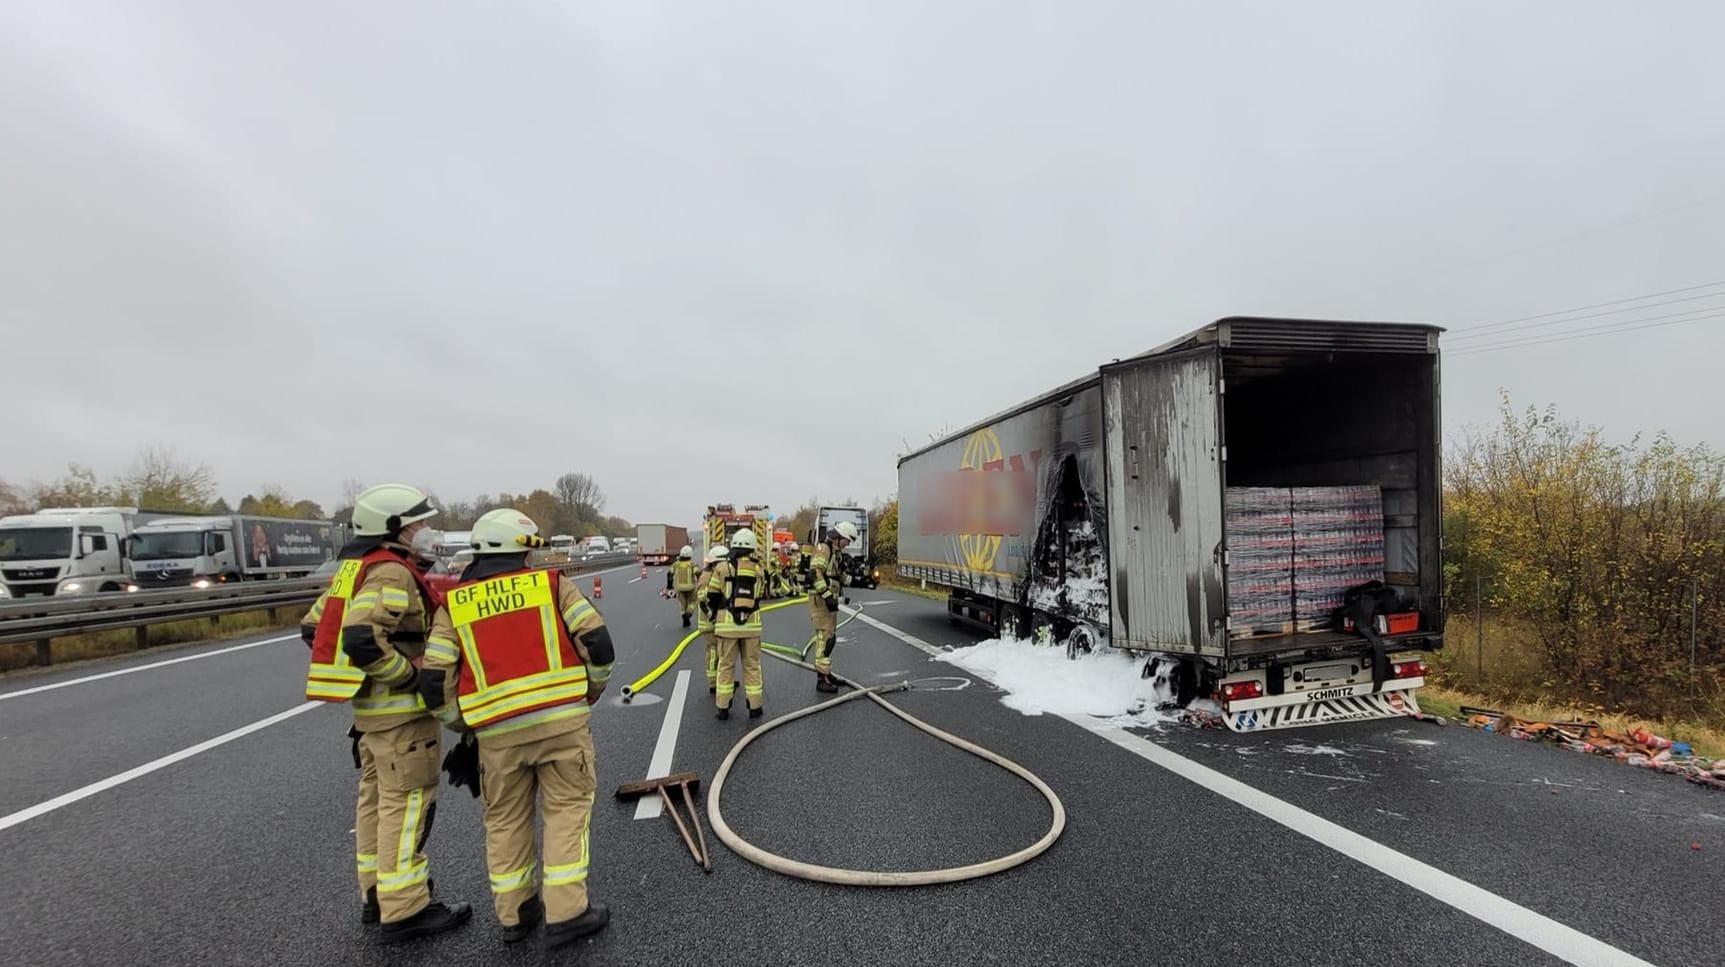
pixel 579 494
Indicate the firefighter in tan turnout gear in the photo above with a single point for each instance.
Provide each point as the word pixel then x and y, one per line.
pixel 365 632
pixel 704 623
pixel 826 578
pixel 515 657
pixel 680 580
pixel 733 593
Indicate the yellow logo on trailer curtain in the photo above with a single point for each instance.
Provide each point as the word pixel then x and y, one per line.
pixel 980 550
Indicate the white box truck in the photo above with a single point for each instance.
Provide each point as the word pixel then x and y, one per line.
pixel 660 543
pixel 196 551
pixel 69 550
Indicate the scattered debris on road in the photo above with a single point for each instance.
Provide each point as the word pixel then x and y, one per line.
pixel 1639 747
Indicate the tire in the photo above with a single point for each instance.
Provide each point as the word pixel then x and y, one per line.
pixel 1083 640
pixel 1010 623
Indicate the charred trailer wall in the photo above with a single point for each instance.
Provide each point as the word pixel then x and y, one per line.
pixel 1013 509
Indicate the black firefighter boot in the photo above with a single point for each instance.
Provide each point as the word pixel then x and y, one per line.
pixel 369 914
pixel 436 918
pixel 757 711
pixel 566 932
pixel 528 916
pixel 724 712
pixel 685 620
pixel 824 683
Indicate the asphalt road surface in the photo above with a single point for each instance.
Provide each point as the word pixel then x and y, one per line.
pixel 198 813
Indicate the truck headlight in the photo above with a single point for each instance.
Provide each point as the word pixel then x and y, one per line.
pixel 71 587
pixel 201 583
pixel 4 593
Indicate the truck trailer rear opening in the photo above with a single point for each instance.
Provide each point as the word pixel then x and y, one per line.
pixel 1210 504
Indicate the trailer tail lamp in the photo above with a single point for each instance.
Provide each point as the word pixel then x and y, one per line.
pixel 1238 690
pixel 1408 669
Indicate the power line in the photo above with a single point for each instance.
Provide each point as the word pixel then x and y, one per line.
pixel 1526 323
pixel 1608 329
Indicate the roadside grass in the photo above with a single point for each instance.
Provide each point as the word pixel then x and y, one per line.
pixel 106 644
pixel 889 579
pixel 1501 671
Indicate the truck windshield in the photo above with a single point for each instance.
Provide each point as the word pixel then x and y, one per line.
pixel 160 547
pixel 35 543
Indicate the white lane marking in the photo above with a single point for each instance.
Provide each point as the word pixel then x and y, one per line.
pixel 1561 941
pixel 85 792
pixel 142 668
pixel 911 640
pixel 1557 939
pixel 636 580
pixel 649 807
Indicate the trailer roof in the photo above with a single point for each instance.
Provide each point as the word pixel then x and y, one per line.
pixel 1244 333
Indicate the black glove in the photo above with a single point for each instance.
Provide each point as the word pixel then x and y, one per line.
pixel 308 634
pixel 739 616
pixel 353 733
pixel 832 602
pixel 462 764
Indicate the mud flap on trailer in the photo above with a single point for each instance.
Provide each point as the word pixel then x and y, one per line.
pixel 1353 708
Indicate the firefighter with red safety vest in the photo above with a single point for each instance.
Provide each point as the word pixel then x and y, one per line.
pixel 515 657
pixel 367 632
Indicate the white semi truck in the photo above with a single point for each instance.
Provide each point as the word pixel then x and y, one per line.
pixel 198 552
pixel 69 550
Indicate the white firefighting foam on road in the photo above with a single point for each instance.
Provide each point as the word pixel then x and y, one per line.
pixel 1041 680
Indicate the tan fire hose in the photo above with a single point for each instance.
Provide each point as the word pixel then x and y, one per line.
pixel 828 874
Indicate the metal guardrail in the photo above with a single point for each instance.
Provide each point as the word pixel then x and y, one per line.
pixel 41 620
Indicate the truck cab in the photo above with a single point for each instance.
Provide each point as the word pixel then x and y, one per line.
pixel 182 552
pixel 857 563
pixel 75 550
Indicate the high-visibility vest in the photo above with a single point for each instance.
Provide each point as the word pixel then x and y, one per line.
pixel 744 595
pixel 517 656
pixel 683 575
pixel 702 621
pixel 333 677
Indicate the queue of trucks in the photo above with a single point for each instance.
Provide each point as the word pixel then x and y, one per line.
pixel 93 550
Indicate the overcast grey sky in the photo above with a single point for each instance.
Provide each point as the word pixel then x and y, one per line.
pixel 527 238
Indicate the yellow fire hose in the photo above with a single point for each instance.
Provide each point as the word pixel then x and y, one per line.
pixel 828 874
pixel 630 689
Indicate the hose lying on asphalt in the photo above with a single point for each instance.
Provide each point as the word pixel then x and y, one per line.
pixel 828 874
pixel 635 686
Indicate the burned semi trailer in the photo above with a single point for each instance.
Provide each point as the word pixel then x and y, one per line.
pixel 1255 507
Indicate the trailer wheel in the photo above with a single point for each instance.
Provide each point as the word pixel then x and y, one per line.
pixel 1183 679
pixel 1083 640
pixel 1011 624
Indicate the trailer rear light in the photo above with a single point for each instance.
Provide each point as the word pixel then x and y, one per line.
pixel 1408 669
pixel 1238 690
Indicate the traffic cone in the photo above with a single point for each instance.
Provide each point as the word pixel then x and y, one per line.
pixel 598 589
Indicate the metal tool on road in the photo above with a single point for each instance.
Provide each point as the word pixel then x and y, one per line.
pixel 686 781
